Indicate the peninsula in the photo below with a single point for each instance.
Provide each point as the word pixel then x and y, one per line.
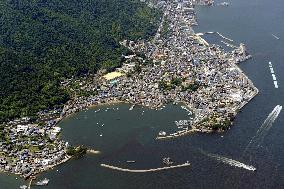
pixel 176 65
pixel 183 68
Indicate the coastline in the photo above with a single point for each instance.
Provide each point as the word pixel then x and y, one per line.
pixel 78 104
pixel 113 102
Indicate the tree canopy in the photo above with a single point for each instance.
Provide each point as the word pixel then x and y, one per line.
pixel 45 41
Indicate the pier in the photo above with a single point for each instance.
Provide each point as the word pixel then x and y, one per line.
pixel 224 37
pixel 145 170
pixel 30 182
pixel 183 133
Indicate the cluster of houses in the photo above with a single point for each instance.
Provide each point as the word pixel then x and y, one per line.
pixel 28 149
pixel 183 68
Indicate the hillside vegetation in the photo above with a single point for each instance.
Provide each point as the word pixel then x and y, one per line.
pixel 45 41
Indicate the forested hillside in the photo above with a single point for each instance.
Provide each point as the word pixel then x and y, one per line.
pixel 44 41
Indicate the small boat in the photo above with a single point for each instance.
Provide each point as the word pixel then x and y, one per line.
pixel 132 107
pixel 43 182
pixel 210 32
pixel 23 187
pixel 224 4
pixel 167 161
pixel 130 161
pixel 162 133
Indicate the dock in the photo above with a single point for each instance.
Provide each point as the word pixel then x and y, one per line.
pixel 175 135
pixel 30 182
pixel 183 133
pixel 145 170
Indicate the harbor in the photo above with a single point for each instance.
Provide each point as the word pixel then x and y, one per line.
pixel 126 142
pixel 127 135
pixel 202 75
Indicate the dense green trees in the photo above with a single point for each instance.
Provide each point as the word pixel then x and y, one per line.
pixel 76 151
pixel 42 42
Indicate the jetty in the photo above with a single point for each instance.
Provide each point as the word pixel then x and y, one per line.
pixel 224 37
pixel 30 182
pixel 175 135
pixel 183 133
pixel 145 170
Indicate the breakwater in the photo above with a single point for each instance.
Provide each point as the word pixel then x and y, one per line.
pixel 222 36
pixel 145 170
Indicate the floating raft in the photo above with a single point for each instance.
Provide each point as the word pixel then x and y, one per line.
pixel 145 170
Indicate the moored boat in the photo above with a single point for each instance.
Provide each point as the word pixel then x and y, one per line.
pixel 162 133
pixel 43 182
pixel 130 161
pixel 167 161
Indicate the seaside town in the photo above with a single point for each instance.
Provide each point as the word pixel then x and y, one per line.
pixel 176 66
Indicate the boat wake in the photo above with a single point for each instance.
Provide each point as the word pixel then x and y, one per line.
pixel 229 161
pixel 264 129
pixel 275 36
